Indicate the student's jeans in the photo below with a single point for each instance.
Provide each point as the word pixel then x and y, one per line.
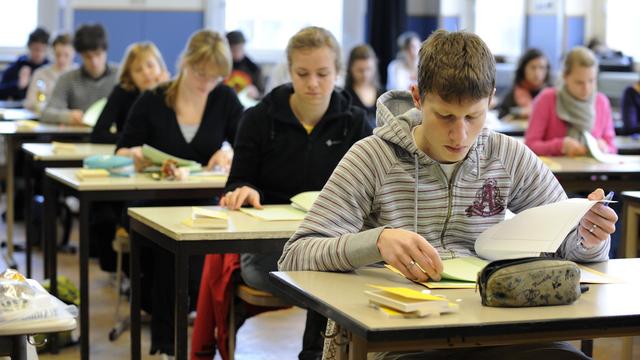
pixel 255 270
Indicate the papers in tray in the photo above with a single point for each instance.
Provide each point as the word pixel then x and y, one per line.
pixel 304 200
pixel 406 302
pixel 533 231
pixel 205 218
pixel 276 213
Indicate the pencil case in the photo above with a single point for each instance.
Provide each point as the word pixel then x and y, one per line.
pixel 530 281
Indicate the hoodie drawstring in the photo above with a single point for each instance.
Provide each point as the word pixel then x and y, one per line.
pixel 415 201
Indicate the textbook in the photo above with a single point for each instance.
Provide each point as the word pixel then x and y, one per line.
pixel 541 229
pixel 205 218
pixel 406 302
pixel 304 200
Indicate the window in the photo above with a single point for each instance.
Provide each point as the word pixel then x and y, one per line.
pixel 503 33
pixel 17 23
pixel 268 25
pixel 623 27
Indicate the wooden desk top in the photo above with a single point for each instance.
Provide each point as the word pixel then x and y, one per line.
pixel 340 295
pixel 44 151
pixel 68 177
pixel 13 128
pixel 167 220
pixel 564 164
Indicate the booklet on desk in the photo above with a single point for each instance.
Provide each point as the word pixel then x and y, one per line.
pixel 205 218
pixel 406 302
pixel 300 205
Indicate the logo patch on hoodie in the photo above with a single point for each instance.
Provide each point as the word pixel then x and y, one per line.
pixel 488 201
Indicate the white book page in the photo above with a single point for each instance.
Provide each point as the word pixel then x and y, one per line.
pixel 597 153
pixel 535 230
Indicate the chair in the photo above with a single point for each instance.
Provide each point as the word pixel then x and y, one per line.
pixel 254 297
pixel 121 246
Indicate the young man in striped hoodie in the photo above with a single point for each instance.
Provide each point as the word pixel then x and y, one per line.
pixel 432 178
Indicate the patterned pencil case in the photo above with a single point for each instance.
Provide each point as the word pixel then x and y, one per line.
pixel 529 282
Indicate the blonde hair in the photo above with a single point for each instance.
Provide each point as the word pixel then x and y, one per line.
pixel 579 56
pixel 204 46
pixel 313 37
pixel 134 53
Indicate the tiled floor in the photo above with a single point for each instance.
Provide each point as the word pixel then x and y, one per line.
pixel 274 335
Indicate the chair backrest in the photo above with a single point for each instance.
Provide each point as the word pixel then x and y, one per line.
pixel 259 298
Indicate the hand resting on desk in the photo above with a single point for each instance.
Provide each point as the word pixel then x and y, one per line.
pixel 410 253
pixel 245 195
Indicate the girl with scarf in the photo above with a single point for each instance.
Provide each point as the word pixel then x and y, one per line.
pixel 532 76
pixel 560 116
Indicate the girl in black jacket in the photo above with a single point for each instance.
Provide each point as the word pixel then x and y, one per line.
pixel 290 143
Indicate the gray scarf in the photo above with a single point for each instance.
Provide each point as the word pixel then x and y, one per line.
pixel 578 114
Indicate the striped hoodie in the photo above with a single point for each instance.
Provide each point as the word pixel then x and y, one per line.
pixel 385 181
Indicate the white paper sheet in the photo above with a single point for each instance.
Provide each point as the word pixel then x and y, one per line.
pixel 535 230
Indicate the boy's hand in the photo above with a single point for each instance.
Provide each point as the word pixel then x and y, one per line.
pixel 410 253
pixel 598 223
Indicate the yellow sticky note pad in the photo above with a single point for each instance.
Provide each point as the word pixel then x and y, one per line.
pixel 408 293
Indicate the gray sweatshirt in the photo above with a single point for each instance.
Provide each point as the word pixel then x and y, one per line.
pixel 386 181
pixel 77 90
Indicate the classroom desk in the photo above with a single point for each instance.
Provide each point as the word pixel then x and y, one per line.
pixel 14 136
pixel 138 187
pixel 11 104
pixel 610 310
pixel 631 213
pixel 39 156
pixel 161 226
pixel 586 174
pixel 628 145
pixel 13 114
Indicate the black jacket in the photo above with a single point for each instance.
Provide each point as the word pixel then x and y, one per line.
pixel 152 122
pixel 369 110
pixel 115 112
pixel 274 154
pixel 9 83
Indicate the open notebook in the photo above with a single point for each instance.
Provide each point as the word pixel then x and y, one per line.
pixel 300 204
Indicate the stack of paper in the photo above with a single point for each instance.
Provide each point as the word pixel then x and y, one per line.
pixel 406 302
pixel 83 174
pixel 205 218
pixel 63 148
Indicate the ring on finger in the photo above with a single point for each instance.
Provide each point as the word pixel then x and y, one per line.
pixel 593 227
pixel 411 264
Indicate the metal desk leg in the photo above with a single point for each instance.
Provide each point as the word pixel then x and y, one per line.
pixel 19 348
pixel 50 246
pixel 134 264
pixel 181 303
pixel 29 184
pixel 10 158
pixel 84 277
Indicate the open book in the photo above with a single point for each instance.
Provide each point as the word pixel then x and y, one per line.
pixel 205 218
pixel 92 114
pixel 300 205
pixel 157 157
pixel 533 231
pixel 458 273
pixel 597 153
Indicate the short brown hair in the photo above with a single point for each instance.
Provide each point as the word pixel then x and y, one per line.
pixel 578 56
pixel 62 39
pixel 204 46
pixel 134 52
pixel 457 66
pixel 313 37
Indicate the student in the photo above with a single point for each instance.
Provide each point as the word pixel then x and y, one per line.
pixel 560 115
pixel 78 89
pixel 362 82
pixel 402 72
pixel 188 117
pixel 290 143
pixel 246 75
pixel 141 69
pixel 16 76
pixel 405 194
pixel 44 79
pixel 532 75
pixel 630 105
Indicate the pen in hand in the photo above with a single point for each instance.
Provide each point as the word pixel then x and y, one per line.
pixel 606 201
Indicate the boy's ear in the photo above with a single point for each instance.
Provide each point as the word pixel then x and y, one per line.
pixel 415 94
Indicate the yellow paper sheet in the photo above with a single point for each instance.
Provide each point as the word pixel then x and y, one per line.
pixel 408 293
pixel 305 200
pixel 275 214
